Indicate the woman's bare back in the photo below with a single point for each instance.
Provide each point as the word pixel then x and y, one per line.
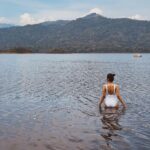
pixel 111 88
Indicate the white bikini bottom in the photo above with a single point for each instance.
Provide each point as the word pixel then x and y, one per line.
pixel 111 101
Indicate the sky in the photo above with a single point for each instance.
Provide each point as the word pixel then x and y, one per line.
pixel 24 12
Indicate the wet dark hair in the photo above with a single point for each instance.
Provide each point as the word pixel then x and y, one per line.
pixel 110 77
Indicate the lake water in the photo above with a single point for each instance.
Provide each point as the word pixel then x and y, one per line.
pixel 50 102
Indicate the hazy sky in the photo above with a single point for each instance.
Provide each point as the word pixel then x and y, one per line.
pixel 35 11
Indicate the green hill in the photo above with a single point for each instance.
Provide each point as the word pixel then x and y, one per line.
pixel 92 33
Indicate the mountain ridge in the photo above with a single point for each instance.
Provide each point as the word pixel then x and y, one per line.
pixel 91 33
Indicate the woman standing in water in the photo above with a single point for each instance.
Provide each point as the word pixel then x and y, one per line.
pixel 111 94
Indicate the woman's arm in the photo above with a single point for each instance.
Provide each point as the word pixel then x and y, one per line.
pixel 119 96
pixel 103 95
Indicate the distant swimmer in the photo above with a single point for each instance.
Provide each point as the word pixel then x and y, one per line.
pixel 111 93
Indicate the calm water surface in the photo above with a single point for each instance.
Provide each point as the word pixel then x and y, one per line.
pixel 50 102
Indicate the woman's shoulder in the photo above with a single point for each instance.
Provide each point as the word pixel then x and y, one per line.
pixel 105 84
pixel 116 85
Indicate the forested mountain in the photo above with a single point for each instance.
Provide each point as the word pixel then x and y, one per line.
pixel 92 33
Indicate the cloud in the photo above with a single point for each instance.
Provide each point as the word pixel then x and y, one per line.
pixel 26 18
pixel 3 20
pixel 93 10
pixel 137 17
pixel 96 10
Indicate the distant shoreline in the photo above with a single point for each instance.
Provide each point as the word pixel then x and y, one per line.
pixel 73 52
pixel 22 50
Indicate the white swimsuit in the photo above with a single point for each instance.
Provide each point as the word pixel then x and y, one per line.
pixel 110 99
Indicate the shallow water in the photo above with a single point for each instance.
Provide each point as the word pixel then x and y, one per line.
pixel 50 102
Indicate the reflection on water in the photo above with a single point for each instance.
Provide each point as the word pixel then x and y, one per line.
pixel 50 102
pixel 110 121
